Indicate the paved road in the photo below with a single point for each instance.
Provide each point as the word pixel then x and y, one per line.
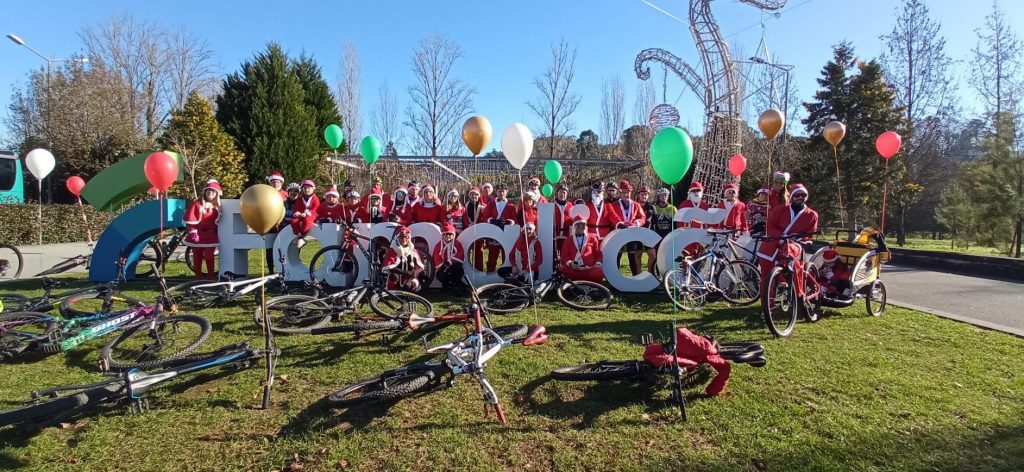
pixel 994 304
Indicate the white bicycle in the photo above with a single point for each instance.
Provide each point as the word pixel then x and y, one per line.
pixel 199 294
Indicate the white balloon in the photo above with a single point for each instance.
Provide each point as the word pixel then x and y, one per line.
pixel 40 163
pixel 517 144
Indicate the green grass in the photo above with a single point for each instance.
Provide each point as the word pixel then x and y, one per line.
pixel 906 391
pixel 944 246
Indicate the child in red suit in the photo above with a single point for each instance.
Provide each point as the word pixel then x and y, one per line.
pixel 402 262
pixel 331 211
pixel 304 214
pixel 526 256
pixel 454 212
pixel 428 209
pixel 834 275
pixel 471 216
pixel 500 213
pixel 528 208
pixel 581 254
pixel 202 217
pixel 692 350
pixel 376 212
pixel 448 258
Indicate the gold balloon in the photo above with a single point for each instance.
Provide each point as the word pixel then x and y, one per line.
pixel 771 122
pixel 834 132
pixel 262 208
pixel 476 133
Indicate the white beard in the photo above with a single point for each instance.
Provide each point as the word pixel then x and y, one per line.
pixel 597 199
pixel 729 204
pixel 695 199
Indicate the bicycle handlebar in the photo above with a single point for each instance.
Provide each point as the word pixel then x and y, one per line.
pixel 791 236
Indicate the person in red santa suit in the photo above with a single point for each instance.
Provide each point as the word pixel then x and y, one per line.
pixel 330 211
pixel 788 220
pixel 632 214
pixel 429 209
pixel 737 217
pixel 276 180
pixel 353 200
pixel 694 199
pixel 603 217
pixel 562 221
pixel 528 208
pixel 757 211
pixel 487 193
pixel 448 258
pixel 691 351
pixel 501 213
pixel 834 275
pixel 414 193
pixel 402 262
pixel 201 218
pixel 533 185
pixel 581 254
pixel 778 195
pixel 374 212
pixel 401 209
pixel 305 212
pixel 472 216
pixel 526 257
pixel 454 212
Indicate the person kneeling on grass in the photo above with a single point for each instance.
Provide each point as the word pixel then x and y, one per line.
pixel 526 257
pixel 692 350
pixel 202 218
pixel 448 258
pixel 402 262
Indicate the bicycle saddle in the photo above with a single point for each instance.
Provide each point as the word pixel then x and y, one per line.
pixel 50 283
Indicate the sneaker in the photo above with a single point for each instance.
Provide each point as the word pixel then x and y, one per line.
pixel 301 242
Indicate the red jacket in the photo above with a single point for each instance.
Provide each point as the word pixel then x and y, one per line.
pixel 392 260
pixel 521 258
pixel 402 212
pixel 422 214
pixel 783 221
pixel 603 221
pixel 203 221
pixel 637 217
pixel 330 214
pixel 589 255
pixel 284 194
pixel 527 215
pixel 451 254
pixel 562 221
pixel 473 214
pixel 364 216
pixel 775 199
pixel 737 217
pixel 303 210
pixel 456 216
pixel 508 214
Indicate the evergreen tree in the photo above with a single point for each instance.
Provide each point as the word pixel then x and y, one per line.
pixel 997 185
pixel 207 151
pixel 957 213
pixel 318 99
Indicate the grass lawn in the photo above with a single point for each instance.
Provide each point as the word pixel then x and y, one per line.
pixel 906 391
pixel 944 245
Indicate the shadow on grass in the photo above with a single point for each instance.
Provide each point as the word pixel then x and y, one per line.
pixel 322 416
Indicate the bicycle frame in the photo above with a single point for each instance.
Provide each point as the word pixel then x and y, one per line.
pixel 114 321
pixel 230 289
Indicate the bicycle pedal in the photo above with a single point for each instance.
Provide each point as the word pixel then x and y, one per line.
pixel 49 348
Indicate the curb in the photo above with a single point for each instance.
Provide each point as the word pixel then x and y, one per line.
pixel 963 319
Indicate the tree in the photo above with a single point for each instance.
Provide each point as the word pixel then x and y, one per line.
pixel 957 213
pixel 384 118
pixel 645 101
pixel 613 111
pixel 439 100
pixel 348 93
pixel 263 107
pixel 918 69
pixel 556 103
pixel 997 184
pixel 207 152
pixel 588 145
pixel 636 142
pixel 318 99
pixel 996 66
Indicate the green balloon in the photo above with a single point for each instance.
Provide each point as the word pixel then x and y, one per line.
pixel 547 190
pixel 553 171
pixel 370 149
pixel 334 136
pixel 671 154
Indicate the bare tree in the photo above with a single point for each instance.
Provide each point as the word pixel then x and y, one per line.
pixel 556 103
pixel 191 68
pixel 384 117
pixel 995 71
pixel 613 110
pixel 439 101
pixel 918 69
pixel 348 94
pixel 645 101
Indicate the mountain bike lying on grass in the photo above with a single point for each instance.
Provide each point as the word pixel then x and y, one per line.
pixel 678 357
pixel 57 404
pixel 76 302
pixel 199 294
pixel 466 356
pixel 516 293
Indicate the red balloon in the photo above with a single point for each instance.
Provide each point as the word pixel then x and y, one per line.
pixel 75 184
pixel 737 164
pixel 161 170
pixel 888 144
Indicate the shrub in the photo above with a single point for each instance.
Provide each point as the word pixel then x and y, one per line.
pixel 61 223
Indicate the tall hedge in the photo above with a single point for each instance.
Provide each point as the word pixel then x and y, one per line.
pixel 61 223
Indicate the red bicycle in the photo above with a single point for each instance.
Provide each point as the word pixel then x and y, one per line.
pixel 790 290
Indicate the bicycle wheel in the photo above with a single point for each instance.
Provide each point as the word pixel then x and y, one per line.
pixel 683 294
pixel 193 296
pixel 402 383
pixel 585 295
pixel 504 298
pixel 335 266
pixel 740 282
pixel 426 276
pixel 188 259
pixel 48 409
pixel 811 309
pixel 11 262
pixel 876 299
pixel 604 370
pixel 294 314
pixel 95 301
pixel 151 254
pixel 141 346
pixel 13 302
pixel 398 303
pixel 20 331
pixel 779 303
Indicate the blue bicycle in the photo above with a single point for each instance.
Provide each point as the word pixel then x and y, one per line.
pixel 711 274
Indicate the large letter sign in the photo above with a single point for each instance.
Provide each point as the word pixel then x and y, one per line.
pixel 610 247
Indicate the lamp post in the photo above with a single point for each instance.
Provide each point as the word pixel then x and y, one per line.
pixel 49 61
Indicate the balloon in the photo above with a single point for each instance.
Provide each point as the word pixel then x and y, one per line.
pixel 476 133
pixel 547 189
pixel 517 144
pixel 161 170
pixel 75 184
pixel 262 208
pixel 40 163
pixel 369 147
pixel 671 154
pixel 771 122
pixel 737 164
pixel 553 171
pixel 888 144
pixel 334 136
pixel 834 132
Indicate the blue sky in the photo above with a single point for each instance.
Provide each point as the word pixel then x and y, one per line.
pixel 505 43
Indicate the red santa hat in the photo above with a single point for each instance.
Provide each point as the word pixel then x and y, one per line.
pixel 487 185
pixel 696 187
pixel 334 191
pixel 376 194
pixel 781 176
pixel 275 175
pixel 731 186
pixel 798 188
pixel 447 227
pixel 829 256
pixel 425 187
pixel 215 186
pixel 579 220
pixel 308 183
pixel 474 190
pixel 533 180
pixel 625 186
pixel 529 226
pixel 401 188
pixel 403 230
pixel 644 189
pixel 450 193
pixel 764 189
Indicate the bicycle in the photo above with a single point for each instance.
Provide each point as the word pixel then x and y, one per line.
pixel 158 251
pixel 690 284
pixel 780 303
pixel 146 333
pixel 516 294
pixel 75 302
pixel 49 406
pixel 341 259
pixel 466 356
pixel 68 264
pixel 685 373
pixel 199 294
pixel 11 262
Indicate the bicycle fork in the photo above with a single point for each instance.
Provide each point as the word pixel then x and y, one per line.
pixel 490 398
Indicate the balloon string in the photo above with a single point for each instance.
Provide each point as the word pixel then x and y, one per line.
pixel 85 220
pixel 839 189
pixel 529 252
pixel 885 193
pixel 40 181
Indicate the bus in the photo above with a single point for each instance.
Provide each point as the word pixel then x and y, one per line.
pixel 12 187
